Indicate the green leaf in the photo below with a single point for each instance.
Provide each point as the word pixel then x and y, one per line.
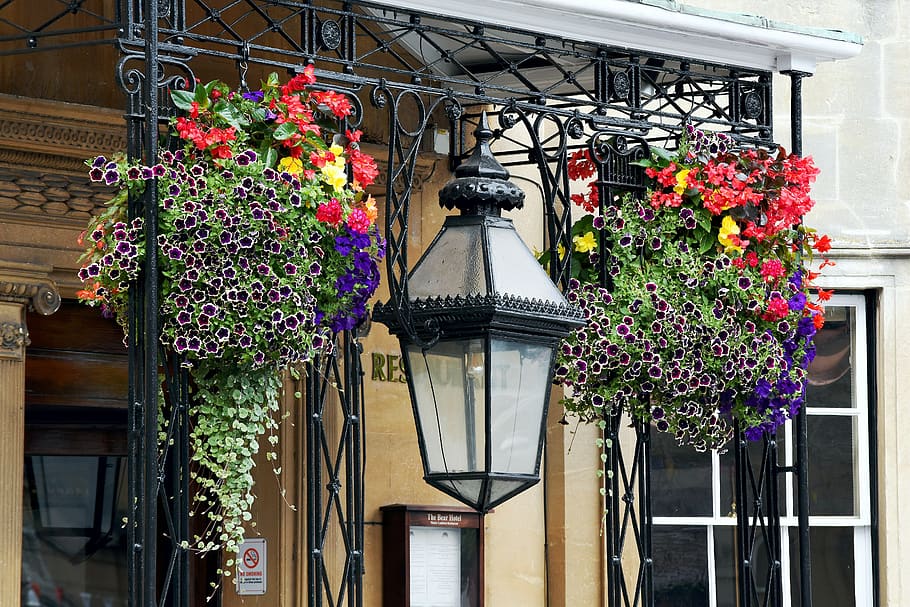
pixel 201 95
pixel 230 114
pixel 664 154
pixel 270 157
pixel 285 130
pixel 584 225
pixel 183 99
pixel 705 242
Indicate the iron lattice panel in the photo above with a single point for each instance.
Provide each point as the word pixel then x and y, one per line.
pixel 366 45
pixel 628 518
pixel 334 476
pixel 28 26
pixel 758 531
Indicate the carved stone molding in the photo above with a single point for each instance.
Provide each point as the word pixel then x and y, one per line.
pixel 13 339
pixel 44 145
pixel 54 194
pixel 53 133
pixel 27 284
pixel 43 148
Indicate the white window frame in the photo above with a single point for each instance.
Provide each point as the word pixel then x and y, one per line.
pixel 861 522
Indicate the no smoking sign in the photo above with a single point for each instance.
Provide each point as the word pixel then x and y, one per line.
pixel 250 558
pixel 251 567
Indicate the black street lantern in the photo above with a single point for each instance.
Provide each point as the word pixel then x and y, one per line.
pixel 483 322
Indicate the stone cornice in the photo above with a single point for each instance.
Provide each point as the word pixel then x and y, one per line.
pixel 44 145
pixel 54 135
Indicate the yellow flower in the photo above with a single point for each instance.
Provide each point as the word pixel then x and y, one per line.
pixel 728 229
pixel 335 176
pixel 681 185
pixel 561 251
pixel 294 166
pixel 586 243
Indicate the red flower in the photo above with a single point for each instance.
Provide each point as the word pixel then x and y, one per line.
pixel 300 81
pixel 777 308
pixel 665 199
pixel 363 167
pixel 822 244
pixel 330 213
pixel 580 165
pixel 337 103
pixel 294 150
pixel 317 160
pixel 221 151
pixel 358 221
pixel 771 270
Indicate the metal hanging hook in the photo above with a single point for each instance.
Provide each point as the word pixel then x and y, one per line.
pixel 243 66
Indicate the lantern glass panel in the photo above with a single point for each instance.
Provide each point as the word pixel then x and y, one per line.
pixel 449 388
pixel 468 489
pixel 520 374
pixel 515 269
pixel 453 265
pixel 501 489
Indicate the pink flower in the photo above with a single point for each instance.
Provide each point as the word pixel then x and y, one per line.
pixel 777 308
pixel 771 270
pixel 358 221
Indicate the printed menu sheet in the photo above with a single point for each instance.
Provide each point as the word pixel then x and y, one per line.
pixel 435 567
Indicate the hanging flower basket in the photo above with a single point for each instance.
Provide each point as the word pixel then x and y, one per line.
pixel 267 246
pixel 699 306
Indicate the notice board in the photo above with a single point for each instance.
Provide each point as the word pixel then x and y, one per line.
pixel 432 556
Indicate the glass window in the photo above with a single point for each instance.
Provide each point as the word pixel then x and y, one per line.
pixel 684 476
pixel 680 566
pixel 694 538
pixel 73 540
pixel 833 572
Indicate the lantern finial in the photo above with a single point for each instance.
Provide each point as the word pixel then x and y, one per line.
pixel 481 185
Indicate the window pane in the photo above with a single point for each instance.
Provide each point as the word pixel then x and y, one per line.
pixel 680 566
pixel 831 373
pixel 833 583
pixel 832 465
pixel 756 454
pixel 725 551
pixel 725 565
pixel 73 540
pixel 681 478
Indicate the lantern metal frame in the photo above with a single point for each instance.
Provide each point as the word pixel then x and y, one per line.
pixel 481 191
